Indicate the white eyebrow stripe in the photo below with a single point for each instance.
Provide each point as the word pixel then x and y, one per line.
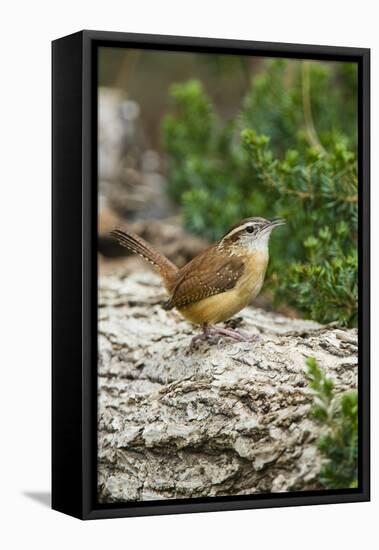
pixel 239 228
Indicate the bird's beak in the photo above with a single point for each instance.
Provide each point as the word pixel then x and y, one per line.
pixel 277 222
pixel 271 224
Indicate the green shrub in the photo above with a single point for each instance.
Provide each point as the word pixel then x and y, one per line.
pixel 291 152
pixel 338 415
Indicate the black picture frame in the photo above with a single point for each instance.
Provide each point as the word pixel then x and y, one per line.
pixel 74 272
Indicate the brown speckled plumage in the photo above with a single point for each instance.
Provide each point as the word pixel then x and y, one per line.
pixel 208 274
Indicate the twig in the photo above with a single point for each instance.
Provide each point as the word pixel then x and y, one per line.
pixel 309 124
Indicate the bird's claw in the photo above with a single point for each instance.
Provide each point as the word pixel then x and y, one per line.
pixel 211 332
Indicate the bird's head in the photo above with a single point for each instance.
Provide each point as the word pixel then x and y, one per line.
pixel 252 234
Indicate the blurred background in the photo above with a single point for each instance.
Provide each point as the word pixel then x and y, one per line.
pixel 190 143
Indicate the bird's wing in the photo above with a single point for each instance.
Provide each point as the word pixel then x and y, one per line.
pixel 206 275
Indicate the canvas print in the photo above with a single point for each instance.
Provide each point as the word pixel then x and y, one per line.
pixel 227 275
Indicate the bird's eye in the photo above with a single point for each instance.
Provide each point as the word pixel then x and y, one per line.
pixel 250 229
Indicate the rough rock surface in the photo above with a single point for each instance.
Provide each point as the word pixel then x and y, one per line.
pixel 225 418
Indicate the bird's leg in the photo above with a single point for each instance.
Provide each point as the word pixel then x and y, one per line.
pixel 207 333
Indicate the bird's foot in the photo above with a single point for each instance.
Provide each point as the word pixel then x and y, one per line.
pixel 214 332
pixel 235 334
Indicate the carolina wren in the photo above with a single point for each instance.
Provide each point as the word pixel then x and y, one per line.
pixel 217 283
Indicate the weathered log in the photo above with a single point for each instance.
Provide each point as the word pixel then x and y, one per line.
pixel 225 418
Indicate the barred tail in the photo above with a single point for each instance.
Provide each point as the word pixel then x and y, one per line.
pixel 136 244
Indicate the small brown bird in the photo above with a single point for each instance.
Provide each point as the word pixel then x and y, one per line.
pixel 217 283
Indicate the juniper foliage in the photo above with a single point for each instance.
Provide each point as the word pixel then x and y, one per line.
pixel 290 152
pixel 338 444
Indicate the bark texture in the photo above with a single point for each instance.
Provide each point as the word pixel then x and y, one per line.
pixel 225 418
